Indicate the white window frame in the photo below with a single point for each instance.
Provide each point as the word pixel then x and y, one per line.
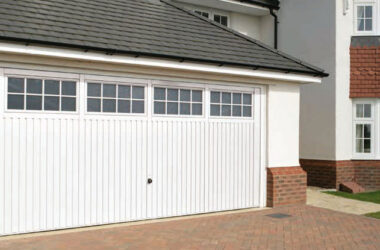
pixel 374 17
pixel 26 74
pixel 212 13
pixel 374 122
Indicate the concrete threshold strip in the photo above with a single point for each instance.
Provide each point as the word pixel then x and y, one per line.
pixel 126 224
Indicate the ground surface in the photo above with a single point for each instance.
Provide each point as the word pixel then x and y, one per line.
pixel 369 196
pixel 306 228
pixel 317 197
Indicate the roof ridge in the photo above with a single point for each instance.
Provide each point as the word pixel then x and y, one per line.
pixel 250 39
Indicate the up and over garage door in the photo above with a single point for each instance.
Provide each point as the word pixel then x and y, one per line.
pixel 80 150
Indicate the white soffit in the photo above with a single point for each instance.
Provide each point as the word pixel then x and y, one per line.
pixel 152 62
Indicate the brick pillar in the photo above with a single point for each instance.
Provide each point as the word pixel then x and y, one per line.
pixel 286 186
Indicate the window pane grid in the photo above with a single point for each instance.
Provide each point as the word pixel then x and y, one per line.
pixel 230 104
pixel 34 96
pixel 364 18
pixel 115 98
pixel 177 101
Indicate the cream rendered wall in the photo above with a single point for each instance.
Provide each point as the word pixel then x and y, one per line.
pixel 307 31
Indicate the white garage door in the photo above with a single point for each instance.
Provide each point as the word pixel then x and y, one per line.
pixel 88 150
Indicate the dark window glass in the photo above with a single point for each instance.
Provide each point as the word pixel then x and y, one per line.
pixel 247 99
pixel 172 108
pixel 33 102
pixel 217 18
pixel 226 110
pixel 34 86
pixel 68 104
pixel 94 89
pixel 159 107
pixel 109 90
pixel 109 105
pixel 185 108
pixel 69 88
pixel 173 94
pixel 215 110
pixel 196 96
pixel 247 111
pixel 185 95
pixel 51 103
pixel 159 94
pixel 93 105
pixel 16 85
pixel 124 106
pixel 236 98
pixel 236 110
pixel 52 87
pixel 197 109
pixel 15 102
pixel 224 21
pixel 226 98
pixel 215 97
pixel 124 92
pixel 137 92
pixel 138 107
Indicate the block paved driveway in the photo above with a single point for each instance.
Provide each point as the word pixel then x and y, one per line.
pixel 307 228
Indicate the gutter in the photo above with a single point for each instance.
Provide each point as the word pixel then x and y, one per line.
pixel 272 13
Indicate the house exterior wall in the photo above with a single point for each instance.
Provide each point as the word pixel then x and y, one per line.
pixel 313 40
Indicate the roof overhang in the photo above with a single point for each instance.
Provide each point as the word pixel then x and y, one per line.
pixel 231 5
pixel 63 53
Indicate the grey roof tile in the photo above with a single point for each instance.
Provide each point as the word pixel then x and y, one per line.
pixel 151 27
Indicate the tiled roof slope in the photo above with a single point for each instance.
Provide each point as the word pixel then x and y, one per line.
pixel 365 67
pixel 144 27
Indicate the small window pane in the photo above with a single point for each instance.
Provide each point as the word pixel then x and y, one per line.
pixel 226 110
pixel 93 105
pixel 109 105
pixel 137 92
pixel 360 25
pixel 367 146
pixel 34 86
pixel 185 108
pixel 359 146
pixel 360 11
pixel 172 108
pixel 138 107
pixel 124 91
pixel 247 99
pixel 124 106
pixel 224 20
pixel 359 110
pixel 109 90
pixel 159 94
pixel 16 85
pixel 226 98
pixel 236 98
pixel 196 96
pixel 94 89
pixel 197 109
pixel 173 94
pixel 68 104
pixel 368 11
pixel 247 111
pixel 368 24
pixel 69 88
pixel 215 97
pixel 215 110
pixel 52 87
pixel 217 18
pixel 15 102
pixel 367 110
pixel 367 131
pixel 159 107
pixel 359 131
pixel 185 95
pixel 33 102
pixel 236 110
pixel 51 103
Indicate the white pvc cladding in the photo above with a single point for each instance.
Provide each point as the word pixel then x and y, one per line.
pixel 65 169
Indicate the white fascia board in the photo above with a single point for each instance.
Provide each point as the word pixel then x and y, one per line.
pixel 150 62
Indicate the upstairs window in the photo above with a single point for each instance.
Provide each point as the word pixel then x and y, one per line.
pixel 223 20
pixel 364 18
pixel 202 13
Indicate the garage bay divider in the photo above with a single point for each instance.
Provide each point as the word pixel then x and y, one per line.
pixel 64 170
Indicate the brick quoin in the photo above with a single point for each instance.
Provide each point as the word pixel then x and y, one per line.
pixel 365 72
pixel 330 174
pixel 286 186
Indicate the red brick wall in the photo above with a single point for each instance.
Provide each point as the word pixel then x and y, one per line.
pixel 329 174
pixel 365 72
pixel 286 185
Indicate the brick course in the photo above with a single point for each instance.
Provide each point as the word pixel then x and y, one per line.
pixel 329 174
pixel 365 72
pixel 286 185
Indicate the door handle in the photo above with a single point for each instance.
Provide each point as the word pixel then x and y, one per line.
pixel 150 180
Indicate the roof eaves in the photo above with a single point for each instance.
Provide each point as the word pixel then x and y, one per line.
pixel 273 4
pixel 317 71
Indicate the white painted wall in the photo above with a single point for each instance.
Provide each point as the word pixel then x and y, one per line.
pixel 307 31
pixel 283 103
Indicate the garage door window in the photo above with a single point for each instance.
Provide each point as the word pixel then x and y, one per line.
pixel 115 98
pixel 172 101
pixel 41 94
pixel 231 104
